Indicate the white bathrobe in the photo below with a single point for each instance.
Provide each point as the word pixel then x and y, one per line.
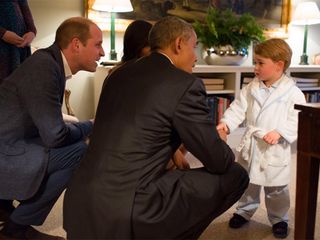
pixel 268 165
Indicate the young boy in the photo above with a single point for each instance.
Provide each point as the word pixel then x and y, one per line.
pixel 267 106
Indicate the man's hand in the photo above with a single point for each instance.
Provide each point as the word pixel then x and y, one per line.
pixel 69 119
pixel 183 150
pixel 178 161
pixel 12 38
pixel 272 137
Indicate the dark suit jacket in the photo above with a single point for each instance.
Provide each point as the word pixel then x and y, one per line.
pixel 146 109
pixel 31 122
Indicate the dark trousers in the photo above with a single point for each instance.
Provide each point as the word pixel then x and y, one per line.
pixel 233 185
pixel 202 197
pixel 62 162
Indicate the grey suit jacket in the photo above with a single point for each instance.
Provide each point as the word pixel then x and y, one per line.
pixel 31 122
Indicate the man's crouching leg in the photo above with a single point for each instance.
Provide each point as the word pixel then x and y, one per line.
pixel 62 162
pixel 233 184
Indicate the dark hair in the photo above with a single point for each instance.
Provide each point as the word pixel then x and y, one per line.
pixel 135 39
pixel 78 27
pixel 167 30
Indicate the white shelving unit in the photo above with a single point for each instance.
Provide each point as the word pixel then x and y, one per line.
pixel 231 74
pixel 311 71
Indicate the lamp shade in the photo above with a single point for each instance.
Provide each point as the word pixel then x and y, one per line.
pixel 306 13
pixel 112 5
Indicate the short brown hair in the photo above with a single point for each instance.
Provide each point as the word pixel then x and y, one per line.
pixel 276 49
pixel 167 30
pixel 75 27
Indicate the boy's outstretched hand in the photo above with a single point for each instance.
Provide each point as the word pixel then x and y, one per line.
pixel 223 135
pixel 223 130
pixel 223 126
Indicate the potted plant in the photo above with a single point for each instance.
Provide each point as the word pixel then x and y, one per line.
pixel 226 36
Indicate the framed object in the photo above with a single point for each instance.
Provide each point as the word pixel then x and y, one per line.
pixel 316 59
pixel 274 15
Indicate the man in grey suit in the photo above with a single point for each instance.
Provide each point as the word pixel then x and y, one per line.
pixel 38 150
pixel 147 108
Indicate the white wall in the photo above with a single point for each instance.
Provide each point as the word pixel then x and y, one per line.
pixel 296 34
pixel 48 14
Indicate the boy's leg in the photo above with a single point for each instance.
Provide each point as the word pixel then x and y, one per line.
pixel 277 203
pixel 249 202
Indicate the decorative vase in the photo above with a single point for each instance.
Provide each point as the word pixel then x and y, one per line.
pixel 224 56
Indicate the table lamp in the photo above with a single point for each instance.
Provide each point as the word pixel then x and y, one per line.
pixel 112 6
pixel 306 13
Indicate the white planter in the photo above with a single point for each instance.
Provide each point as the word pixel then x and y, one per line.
pixel 224 56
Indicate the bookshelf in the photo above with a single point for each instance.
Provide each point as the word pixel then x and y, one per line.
pixel 232 76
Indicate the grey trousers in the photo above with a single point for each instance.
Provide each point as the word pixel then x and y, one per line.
pixel 62 163
pixel 277 200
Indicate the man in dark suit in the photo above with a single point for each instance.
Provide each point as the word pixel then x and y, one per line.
pixel 122 189
pixel 38 150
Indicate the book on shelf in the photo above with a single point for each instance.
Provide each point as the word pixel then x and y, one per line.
pixel 217 106
pixel 312 97
pixel 213 87
pixel 307 84
pixel 213 81
pixel 305 80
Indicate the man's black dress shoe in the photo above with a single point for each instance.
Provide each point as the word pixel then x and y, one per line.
pixel 12 231
pixel 237 221
pixel 6 208
pixel 4 215
pixel 280 230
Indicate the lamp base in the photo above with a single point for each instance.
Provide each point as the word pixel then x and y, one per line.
pixel 113 54
pixel 304 59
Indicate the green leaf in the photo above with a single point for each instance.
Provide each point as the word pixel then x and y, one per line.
pixel 224 27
